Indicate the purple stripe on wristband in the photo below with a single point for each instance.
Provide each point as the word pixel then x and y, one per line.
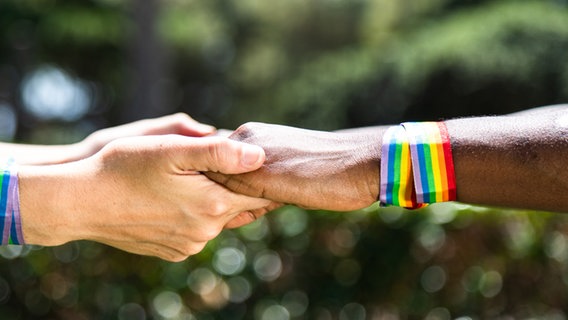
pixel 14 203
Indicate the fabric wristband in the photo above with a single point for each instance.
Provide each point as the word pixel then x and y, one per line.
pixel 432 161
pixel 416 165
pixel 397 185
pixel 10 221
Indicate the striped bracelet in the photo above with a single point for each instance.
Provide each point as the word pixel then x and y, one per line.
pixel 420 150
pixel 10 222
pixel 397 185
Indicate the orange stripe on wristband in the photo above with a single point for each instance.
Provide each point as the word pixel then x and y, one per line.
pixel 432 161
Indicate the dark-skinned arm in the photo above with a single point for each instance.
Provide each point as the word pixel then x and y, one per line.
pixel 518 160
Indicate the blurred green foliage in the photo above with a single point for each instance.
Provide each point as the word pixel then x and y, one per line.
pixel 312 63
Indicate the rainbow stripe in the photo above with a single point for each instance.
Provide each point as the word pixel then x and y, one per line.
pixel 432 161
pixel 10 222
pixel 397 186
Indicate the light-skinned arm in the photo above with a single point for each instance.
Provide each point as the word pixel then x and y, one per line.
pixel 179 123
pixel 145 195
pixel 518 160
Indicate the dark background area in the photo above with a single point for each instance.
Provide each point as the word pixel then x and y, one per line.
pixel 69 67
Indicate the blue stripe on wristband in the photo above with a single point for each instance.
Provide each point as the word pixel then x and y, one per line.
pixel 10 221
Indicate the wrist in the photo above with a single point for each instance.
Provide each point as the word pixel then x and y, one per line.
pixel 366 151
pixel 49 198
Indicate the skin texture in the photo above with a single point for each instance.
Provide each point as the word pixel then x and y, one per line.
pixel 150 195
pixel 517 161
pixel 179 123
pixel 311 169
pixel 144 195
pixel 132 195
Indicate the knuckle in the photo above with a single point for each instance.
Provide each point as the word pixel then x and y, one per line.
pixel 246 131
pixel 216 147
pixel 219 208
pixel 192 249
pixel 180 117
pixel 211 232
pixel 177 121
pixel 176 257
pixel 170 255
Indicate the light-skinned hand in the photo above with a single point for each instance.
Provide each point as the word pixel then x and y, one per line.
pixel 145 195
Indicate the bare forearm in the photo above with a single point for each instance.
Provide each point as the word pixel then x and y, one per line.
pixel 516 161
pixel 142 194
pixel 180 124
pixel 50 196
pixel 41 154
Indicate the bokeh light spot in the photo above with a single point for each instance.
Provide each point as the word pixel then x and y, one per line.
pixel 438 314
pixel 353 311
pixel 13 251
pixel 433 279
pixel 275 312
pixel 556 246
pixel 391 215
pixel 66 253
pixel 431 237
pixel 229 261
pixel 255 231
pixel 8 122
pixel 54 286
pixel 491 284
pixel 167 304
pixel 131 311
pixel 292 221
pixel 296 302
pixel 50 93
pixel 202 281
pixel 267 265
pixel 240 289
pixel 471 278
pixel 441 213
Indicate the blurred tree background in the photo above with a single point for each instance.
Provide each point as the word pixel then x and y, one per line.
pixel 69 67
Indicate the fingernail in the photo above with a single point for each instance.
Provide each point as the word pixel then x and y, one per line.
pixel 251 155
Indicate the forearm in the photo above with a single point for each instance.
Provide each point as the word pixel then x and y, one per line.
pixel 27 154
pixel 516 161
pixel 180 124
pixel 51 198
pixel 365 147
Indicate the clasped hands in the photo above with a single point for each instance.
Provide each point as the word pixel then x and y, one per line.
pixel 165 187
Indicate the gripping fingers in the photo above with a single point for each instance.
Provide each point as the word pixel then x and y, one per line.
pixel 241 219
pixel 246 217
pixel 162 251
pixel 240 203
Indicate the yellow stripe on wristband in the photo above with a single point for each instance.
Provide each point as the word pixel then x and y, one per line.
pixel 416 165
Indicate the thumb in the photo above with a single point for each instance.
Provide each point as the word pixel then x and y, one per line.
pixel 227 156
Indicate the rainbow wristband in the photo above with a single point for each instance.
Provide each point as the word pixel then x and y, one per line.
pixel 416 165
pixel 432 161
pixel 397 185
pixel 10 222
